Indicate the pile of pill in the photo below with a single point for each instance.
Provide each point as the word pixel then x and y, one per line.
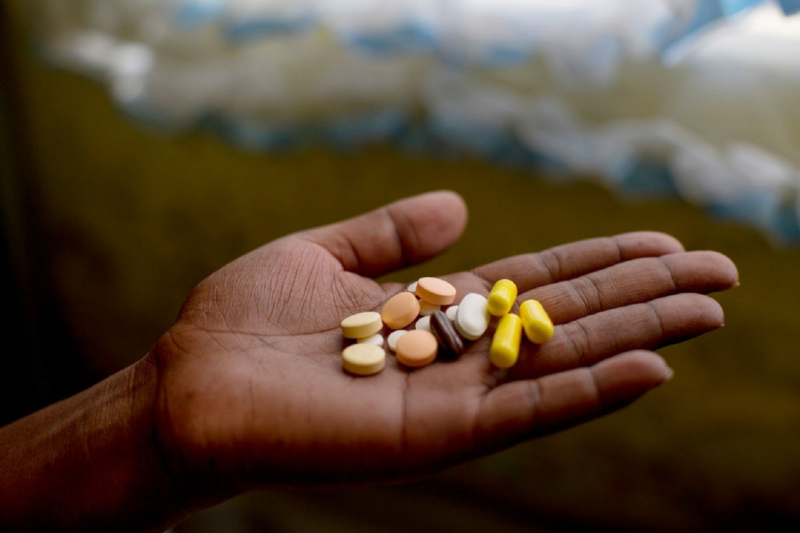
pixel 442 333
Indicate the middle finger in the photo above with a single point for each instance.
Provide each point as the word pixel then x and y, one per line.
pixel 632 282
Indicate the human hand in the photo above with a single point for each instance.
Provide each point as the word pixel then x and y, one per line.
pixel 251 389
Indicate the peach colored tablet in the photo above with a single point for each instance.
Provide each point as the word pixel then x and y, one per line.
pixel 400 310
pixel 436 291
pixel 417 348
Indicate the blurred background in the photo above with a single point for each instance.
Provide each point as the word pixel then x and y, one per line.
pixel 143 145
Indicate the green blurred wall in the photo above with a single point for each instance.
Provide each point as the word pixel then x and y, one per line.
pixel 129 221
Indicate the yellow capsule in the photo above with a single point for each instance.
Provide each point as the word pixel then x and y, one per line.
pixel 505 343
pixel 536 321
pixel 502 297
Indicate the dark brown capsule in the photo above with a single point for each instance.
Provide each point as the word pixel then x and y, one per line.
pixel 445 332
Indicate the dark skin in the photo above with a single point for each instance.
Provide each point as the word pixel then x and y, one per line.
pixel 246 389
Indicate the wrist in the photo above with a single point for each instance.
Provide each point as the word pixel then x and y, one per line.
pixel 91 462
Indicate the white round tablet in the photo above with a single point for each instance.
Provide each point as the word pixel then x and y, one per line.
pixel 394 337
pixel 426 308
pixel 376 339
pixel 451 312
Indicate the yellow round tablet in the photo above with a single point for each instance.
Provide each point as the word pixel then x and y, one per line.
pixel 361 325
pixel 363 359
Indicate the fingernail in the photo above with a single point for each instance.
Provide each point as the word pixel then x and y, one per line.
pixel 722 325
pixel 736 284
pixel 670 374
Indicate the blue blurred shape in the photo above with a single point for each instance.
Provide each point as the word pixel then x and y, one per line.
pixel 480 139
pixel 786 226
pixel 705 13
pixel 790 7
pixel 252 28
pixel 731 7
pixel 352 132
pixel 192 14
pixel 405 38
pixel 757 206
pixel 255 136
pixel 497 56
pixel 644 178
pixel 503 56
pixel 518 156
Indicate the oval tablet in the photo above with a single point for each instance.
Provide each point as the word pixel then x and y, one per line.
pixel 445 332
pixel 363 359
pixel 394 337
pixel 502 297
pixel 436 291
pixel 504 350
pixel 427 308
pixel 361 325
pixel 535 321
pixel 451 312
pixel 417 348
pixel 423 323
pixel 400 310
pixel 472 318
pixel 376 339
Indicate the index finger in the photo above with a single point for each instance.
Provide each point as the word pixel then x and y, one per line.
pixel 576 259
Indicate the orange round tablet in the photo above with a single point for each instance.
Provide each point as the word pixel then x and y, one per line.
pixel 417 348
pixel 400 310
pixel 436 291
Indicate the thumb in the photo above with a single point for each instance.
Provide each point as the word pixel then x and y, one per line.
pixel 400 234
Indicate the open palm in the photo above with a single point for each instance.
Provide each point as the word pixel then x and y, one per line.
pixel 251 388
